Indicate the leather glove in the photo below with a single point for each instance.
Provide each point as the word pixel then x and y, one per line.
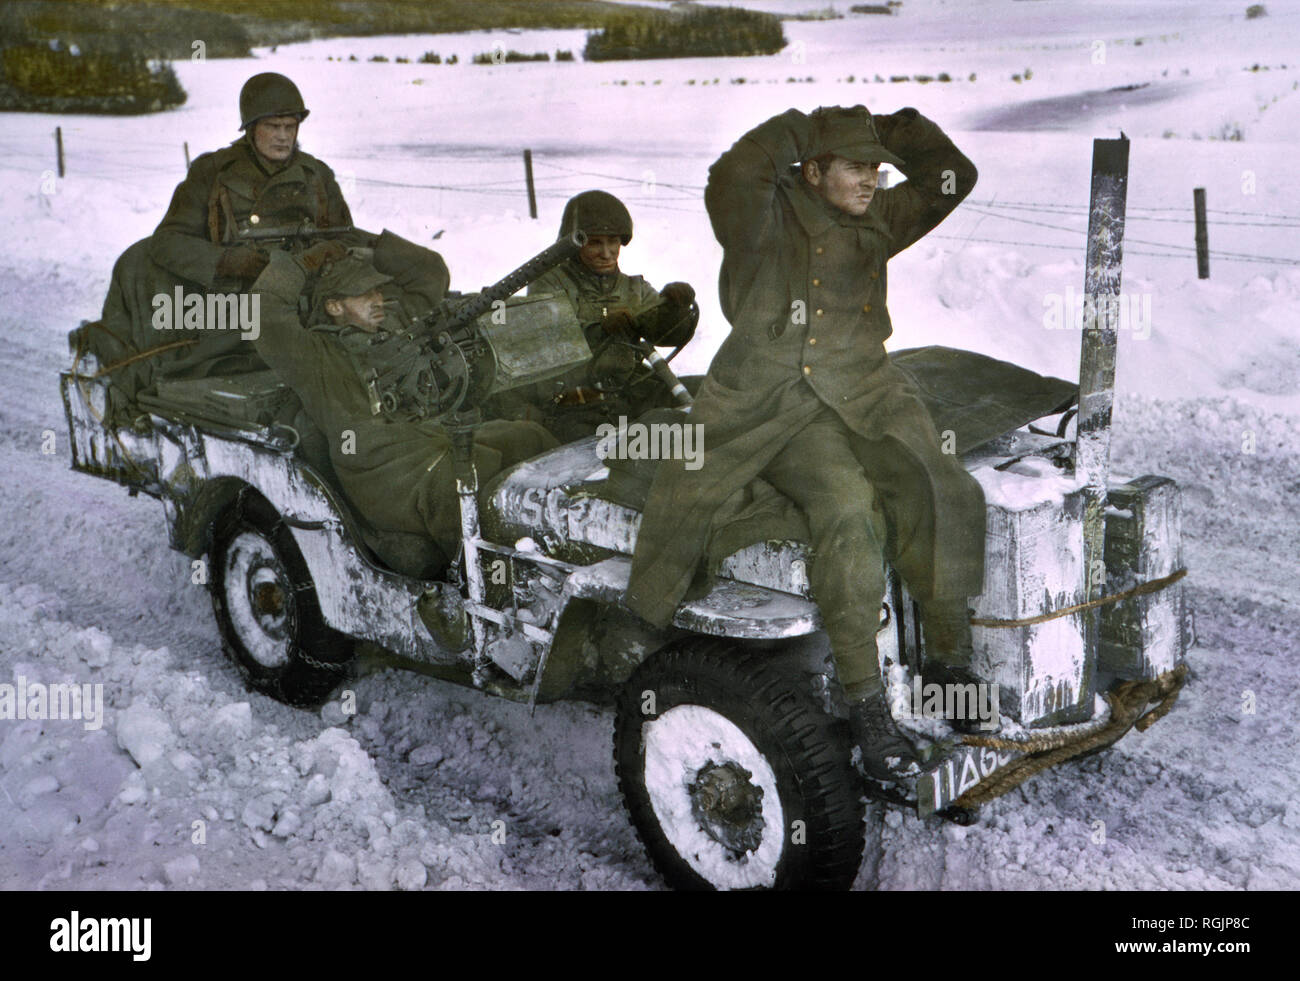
pixel 620 323
pixel 673 323
pixel 675 331
pixel 886 124
pixel 321 253
pixel 678 294
pixel 242 262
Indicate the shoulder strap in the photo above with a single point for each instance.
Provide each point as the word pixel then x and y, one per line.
pixel 218 199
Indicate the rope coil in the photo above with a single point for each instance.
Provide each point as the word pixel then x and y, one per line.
pixel 1127 704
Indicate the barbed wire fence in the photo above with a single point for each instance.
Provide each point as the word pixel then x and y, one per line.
pixel 650 193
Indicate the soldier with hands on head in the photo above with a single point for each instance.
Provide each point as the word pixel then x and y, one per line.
pixel 803 395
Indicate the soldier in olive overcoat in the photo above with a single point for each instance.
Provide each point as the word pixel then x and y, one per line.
pixel 260 181
pixel 802 394
pixel 398 474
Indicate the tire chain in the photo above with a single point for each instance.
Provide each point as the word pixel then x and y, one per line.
pixel 343 669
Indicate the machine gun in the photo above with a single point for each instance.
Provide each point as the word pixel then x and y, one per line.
pixel 474 347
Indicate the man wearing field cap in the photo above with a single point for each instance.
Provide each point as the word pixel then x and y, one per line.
pixel 397 473
pixel 803 395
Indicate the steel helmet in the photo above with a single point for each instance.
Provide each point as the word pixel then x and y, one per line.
pixel 596 213
pixel 269 94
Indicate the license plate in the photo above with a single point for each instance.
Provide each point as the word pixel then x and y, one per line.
pixel 938 788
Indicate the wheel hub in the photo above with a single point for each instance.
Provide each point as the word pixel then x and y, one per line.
pixel 728 805
pixel 258 599
pixel 268 599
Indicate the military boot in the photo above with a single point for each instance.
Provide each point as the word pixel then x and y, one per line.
pixel 948 653
pixel 938 673
pixel 875 732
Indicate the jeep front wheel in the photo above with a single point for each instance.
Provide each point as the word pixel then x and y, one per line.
pixel 733 776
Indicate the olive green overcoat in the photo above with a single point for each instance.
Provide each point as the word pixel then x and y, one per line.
pixel 221 193
pixel 803 285
pixel 398 474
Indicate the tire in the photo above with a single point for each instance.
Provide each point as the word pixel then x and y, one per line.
pixel 266 608
pixel 732 747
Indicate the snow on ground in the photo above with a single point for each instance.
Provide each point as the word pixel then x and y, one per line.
pixel 406 793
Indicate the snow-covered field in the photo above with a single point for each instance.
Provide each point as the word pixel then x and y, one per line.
pixel 430 785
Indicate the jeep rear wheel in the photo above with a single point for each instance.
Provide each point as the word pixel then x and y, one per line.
pixel 733 777
pixel 266 608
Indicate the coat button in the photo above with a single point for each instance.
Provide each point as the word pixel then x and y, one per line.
pixel 812 340
pixel 817 282
pixel 820 250
pixel 807 369
pixel 866 308
pixel 819 312
pixel 253 219
pixel 875 275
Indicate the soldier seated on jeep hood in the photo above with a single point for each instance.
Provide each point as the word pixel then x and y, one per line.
pixel 803 394
pixel 615 310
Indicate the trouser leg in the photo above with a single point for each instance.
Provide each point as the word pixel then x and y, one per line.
pixel 819 472
pixel 497 444
pixel 904 479
pixel 946 627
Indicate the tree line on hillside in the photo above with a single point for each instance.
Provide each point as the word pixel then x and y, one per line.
pixel 701 33
pixel 48 77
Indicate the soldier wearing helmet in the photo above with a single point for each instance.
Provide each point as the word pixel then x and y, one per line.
pixel 261 180
pixel 616 310
pixel 204 243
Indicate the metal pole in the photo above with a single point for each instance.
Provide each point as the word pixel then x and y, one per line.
pixel 58 144
pixel 1202 235
pixel 1101 287
pixel 528 176
pixel 187 155
pixel 462 449
pixel 666 374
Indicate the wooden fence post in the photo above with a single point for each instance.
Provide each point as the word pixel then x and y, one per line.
pixel 1202 234
pixel 528 177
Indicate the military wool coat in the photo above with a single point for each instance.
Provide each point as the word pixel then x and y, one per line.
pixel 221 193
pixel 803 285
pixel 399 475
pixel 225 189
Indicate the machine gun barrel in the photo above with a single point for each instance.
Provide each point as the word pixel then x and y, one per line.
pixel 513 282
pixel 305 229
